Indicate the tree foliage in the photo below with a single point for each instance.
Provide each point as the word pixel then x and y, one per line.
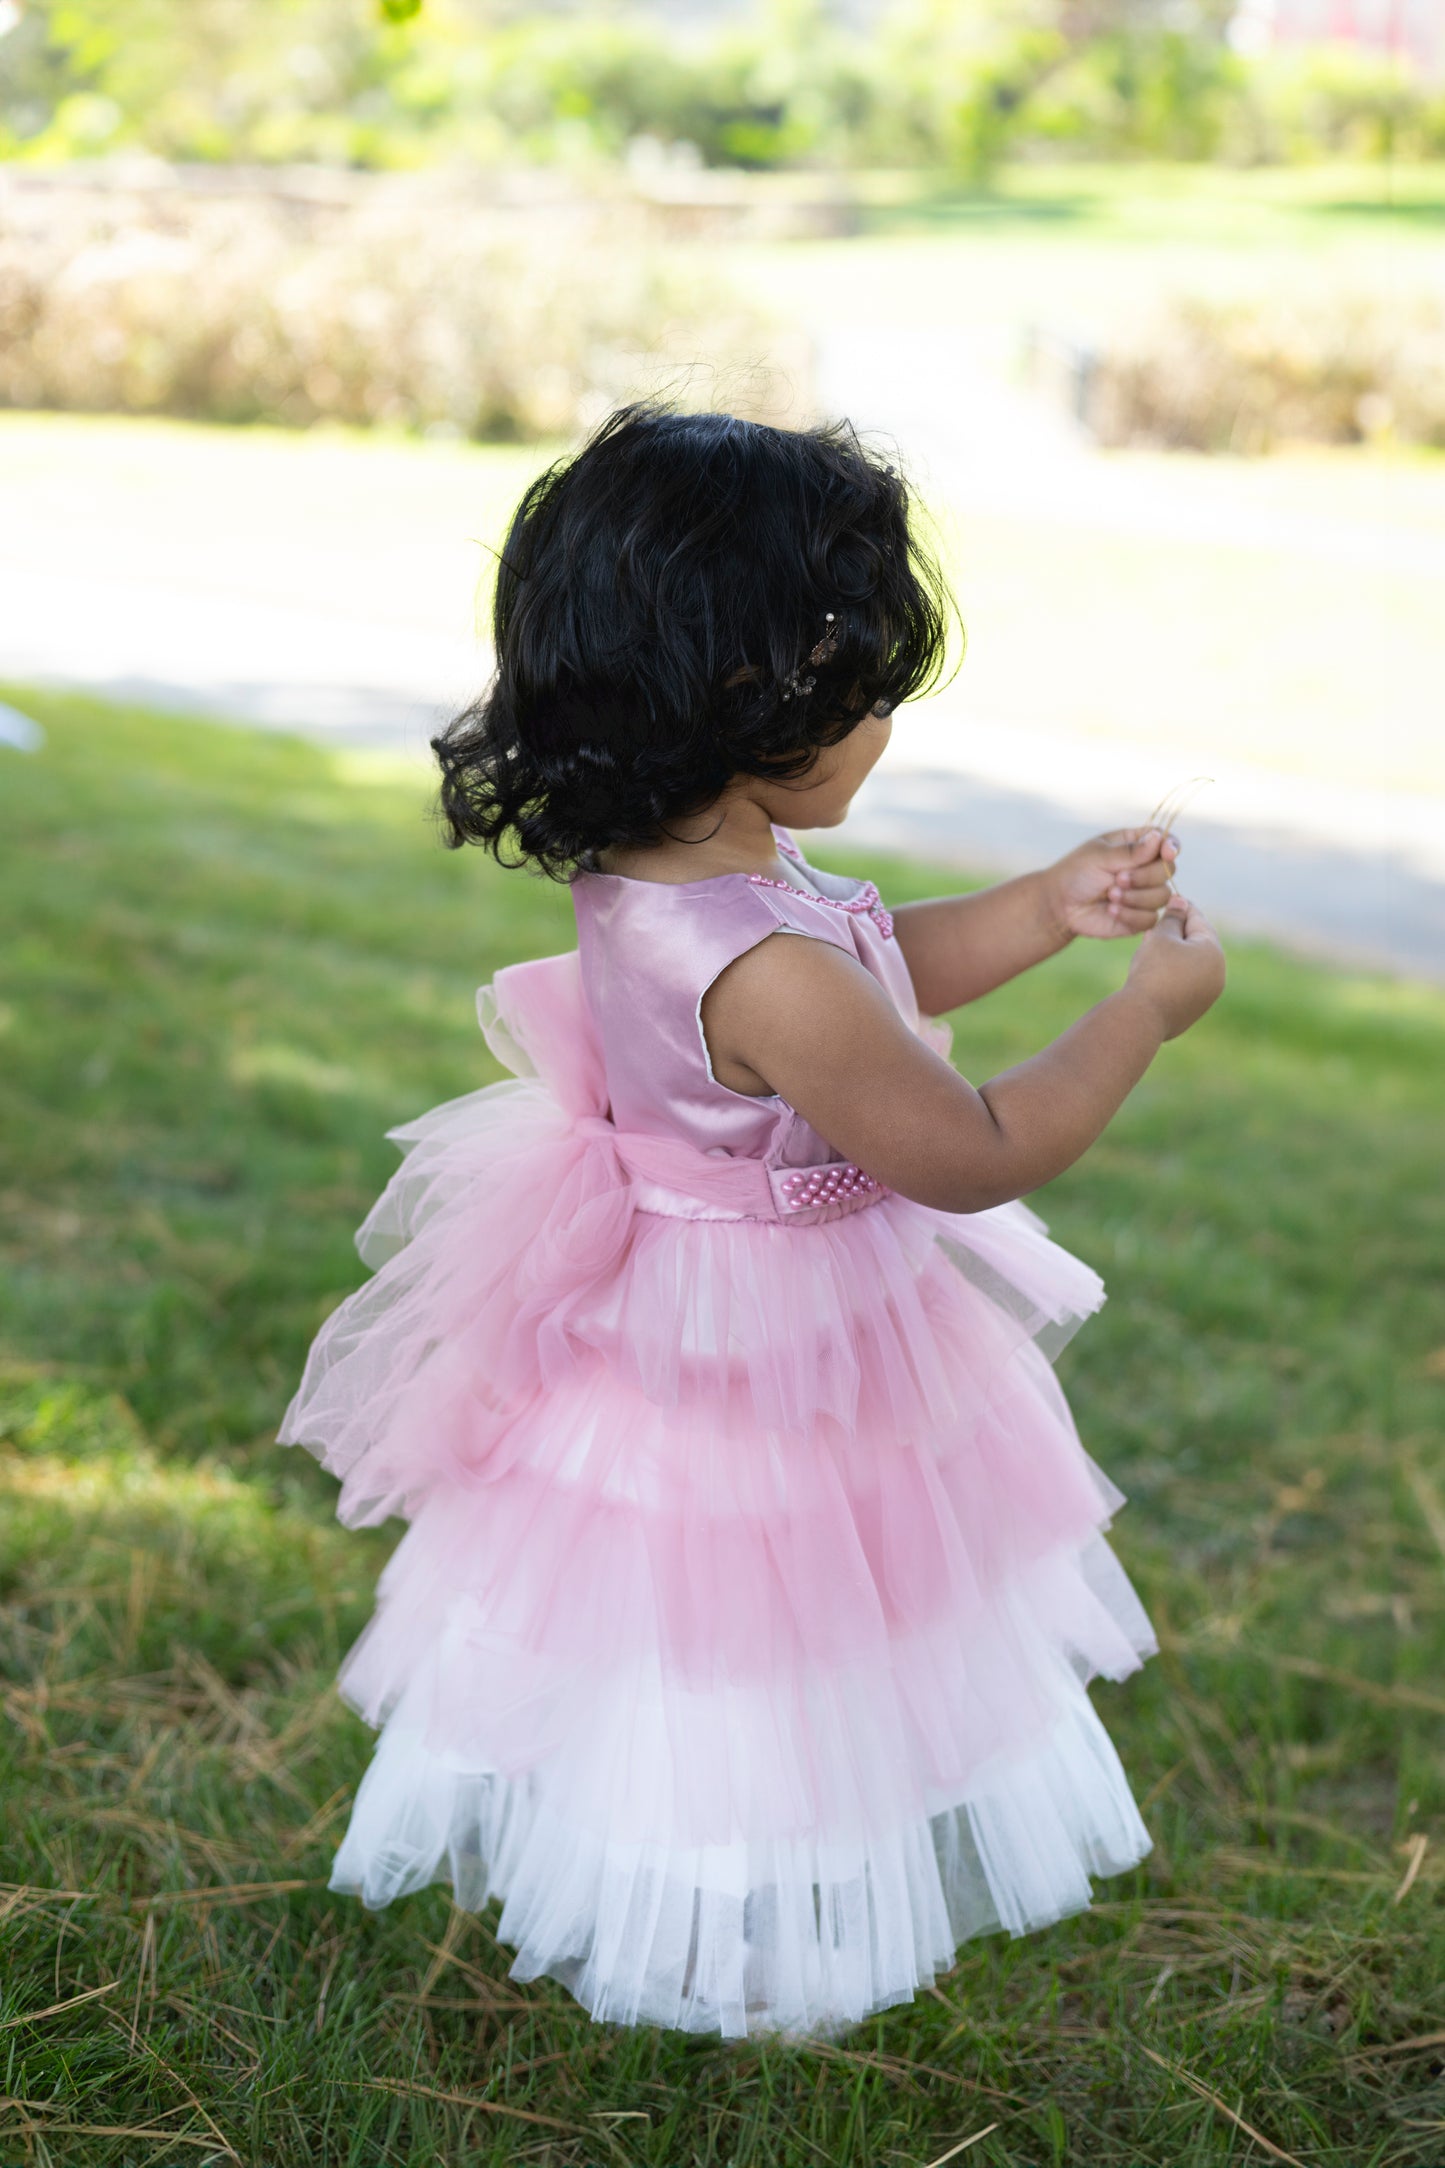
pixel 954 84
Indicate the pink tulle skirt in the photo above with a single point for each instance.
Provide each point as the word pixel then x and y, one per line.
pixel 755 1574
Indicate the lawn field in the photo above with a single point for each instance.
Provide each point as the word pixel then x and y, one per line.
pixel 231 961
pixel 1096 242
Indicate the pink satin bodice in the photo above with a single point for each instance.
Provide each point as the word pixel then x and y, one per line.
pixel 648 953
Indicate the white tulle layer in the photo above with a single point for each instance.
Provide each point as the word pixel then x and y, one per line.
pixel 800 1934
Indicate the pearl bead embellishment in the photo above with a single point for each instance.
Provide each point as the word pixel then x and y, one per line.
pixel 837 1180
pixel 867 900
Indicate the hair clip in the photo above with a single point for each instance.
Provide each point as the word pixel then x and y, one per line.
pixel 795 682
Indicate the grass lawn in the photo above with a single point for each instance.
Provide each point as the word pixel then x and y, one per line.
pixel 1094 241
pixel 229 963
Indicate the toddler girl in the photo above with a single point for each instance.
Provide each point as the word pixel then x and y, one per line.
pixel 755 1574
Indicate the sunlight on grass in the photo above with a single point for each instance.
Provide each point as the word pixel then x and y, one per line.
pixel 369 770
pixel 1380 999
pixel 127 1482
pixel 272 1064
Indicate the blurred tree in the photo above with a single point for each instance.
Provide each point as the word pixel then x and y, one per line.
pixel 195 81
pixel 1149 91
pixel 1083 20
pixel 960 77
pixel 959 85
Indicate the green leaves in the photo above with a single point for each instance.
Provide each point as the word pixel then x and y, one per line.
pixel 400 11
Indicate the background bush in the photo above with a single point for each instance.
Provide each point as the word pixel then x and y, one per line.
pixel 1249 376
pixel 407 304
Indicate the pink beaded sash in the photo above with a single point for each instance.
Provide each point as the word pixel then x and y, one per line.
pixel 737 1188
pixel 837 1185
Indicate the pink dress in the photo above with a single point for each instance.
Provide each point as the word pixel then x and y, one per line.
pixel 739 1640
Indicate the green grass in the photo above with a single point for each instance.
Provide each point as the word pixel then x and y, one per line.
pixel 1251 206
pixel 1089 245
pixel 229 962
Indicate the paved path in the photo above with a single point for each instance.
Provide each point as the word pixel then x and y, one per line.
pixel 329 589
pixel 1333 867
pixel 1347 878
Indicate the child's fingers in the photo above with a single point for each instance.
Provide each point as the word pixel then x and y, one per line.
pixel 1146 892
pixel 1137 844
pixel 1132 844
pixel 1129 918
pixel 1170 921
pixel 1196 926
pixel 1139 849
pixel 1155 872
pixel 1152 844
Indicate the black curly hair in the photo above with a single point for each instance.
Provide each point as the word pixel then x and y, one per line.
pixel 659 596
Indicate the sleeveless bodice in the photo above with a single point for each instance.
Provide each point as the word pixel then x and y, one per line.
pixel 650 950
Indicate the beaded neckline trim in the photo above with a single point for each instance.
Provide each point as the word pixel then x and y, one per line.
pixel 867 901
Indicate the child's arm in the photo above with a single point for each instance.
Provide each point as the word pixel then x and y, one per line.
pixel 808 1022
pixel 959 947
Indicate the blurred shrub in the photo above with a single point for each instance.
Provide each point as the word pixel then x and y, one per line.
pixel 1246 378
pixel 397 304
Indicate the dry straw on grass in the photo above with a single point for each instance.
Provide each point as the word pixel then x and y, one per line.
pixel 405 303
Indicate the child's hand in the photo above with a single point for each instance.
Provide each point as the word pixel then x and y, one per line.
pixel 1112 885
pixel 1179 967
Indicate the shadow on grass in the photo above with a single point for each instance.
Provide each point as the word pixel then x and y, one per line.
pixel 976 211
pixel 1411 211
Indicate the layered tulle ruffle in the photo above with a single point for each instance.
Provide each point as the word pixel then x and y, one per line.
pixel 740 1637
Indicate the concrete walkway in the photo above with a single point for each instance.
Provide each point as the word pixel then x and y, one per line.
pixel 1348 878
pixel 328 588
pixel 1328 864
